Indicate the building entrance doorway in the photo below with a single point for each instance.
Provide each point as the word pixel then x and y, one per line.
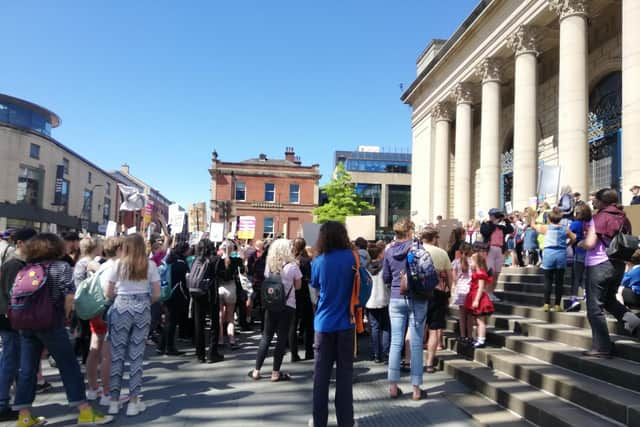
pixel 506 172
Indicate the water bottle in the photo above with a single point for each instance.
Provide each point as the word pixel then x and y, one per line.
pixel 413 270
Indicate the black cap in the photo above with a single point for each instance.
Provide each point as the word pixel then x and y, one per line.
pixel 23 234
pixel 70 236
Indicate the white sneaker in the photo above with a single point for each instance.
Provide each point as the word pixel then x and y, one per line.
pixel 93 394
pixel 114 408
pixel 310 423
pixel 134 408
pixel 105 400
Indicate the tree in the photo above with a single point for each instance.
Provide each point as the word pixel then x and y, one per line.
pixel 343 199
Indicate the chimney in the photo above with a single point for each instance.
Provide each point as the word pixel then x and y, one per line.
pixel 290 154
pixel 125 169
pixel 298 161
pixel 262 157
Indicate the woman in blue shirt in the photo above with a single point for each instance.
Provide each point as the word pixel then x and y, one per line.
pixel 332 272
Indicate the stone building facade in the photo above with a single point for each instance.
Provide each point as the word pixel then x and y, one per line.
pixel 520 85
pixel 280 193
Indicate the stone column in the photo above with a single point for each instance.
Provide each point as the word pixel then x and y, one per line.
pixel 525 135
pixel 440 198
pixel 630 96
pixel 462 174
pixel 490 71
pixel 384 205
pixel 573 94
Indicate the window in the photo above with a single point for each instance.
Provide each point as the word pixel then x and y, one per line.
pixel 108 190
pixel 268 228
pixel 34 151
pixel 106 210
pixel 240 191
pixel 65 163
pixel 89 176
pixel 29 185
pixel 294 193
pixel 64 193
pixel 87 204
pixel 269 192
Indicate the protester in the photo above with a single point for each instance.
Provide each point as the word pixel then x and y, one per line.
pixel 378 308
pixel 46 250
pixel 456 238
pixel 7 247
pixel 567 202
pixel 605 275
pixel 403 309
pixel 71 247
pixel 439 303
pixel 578 277
pixel 227 292
pixel 530 243
pixel 629 290
pixel 462 270
pixel 177 306
pixel 478 302
pixel 303 319
pixel 635 190
pixel 208 304
pixel 10 354
pixel 332 273
pixel 85 266
pixel 554 256
pixel 282 265
pixel 494 232
pixel 134 283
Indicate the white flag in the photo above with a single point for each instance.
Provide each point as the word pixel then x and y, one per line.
pixel 132 199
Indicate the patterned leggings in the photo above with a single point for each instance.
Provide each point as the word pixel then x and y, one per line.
pixel 129 320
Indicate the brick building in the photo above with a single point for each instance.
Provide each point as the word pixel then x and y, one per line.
pixel 280 193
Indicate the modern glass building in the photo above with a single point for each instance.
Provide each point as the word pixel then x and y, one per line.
pixel 383 179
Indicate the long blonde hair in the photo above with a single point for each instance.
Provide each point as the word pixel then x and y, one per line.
pixel 133 264
pixel 280 254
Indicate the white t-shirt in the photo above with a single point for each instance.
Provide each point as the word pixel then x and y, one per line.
pixel 105 272
pixel 129 287
pixel 289 274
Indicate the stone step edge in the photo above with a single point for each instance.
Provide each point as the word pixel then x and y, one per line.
pixel 467 372
pixel 475 405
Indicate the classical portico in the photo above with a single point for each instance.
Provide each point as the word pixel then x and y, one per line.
pixel 556 80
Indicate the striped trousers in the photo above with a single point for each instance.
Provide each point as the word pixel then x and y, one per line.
pixel 129 319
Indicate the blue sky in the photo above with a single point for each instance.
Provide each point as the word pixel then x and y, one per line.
pixel 160 84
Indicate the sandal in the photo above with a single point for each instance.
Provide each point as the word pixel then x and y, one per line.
pixel 282 376
pixel 250 375
pixel 430 369
pixel 423 395
pixel 405 367
pixel 397 395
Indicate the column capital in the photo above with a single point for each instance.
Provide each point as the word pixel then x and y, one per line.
pixel 463 93
pixel 525 40
pixel 442 112
pixel 566 8
pixel 490 70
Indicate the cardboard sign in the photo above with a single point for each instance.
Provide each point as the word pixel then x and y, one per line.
pixel 177 222
pixel 216 232
pixel 132 230
pixel 246 227
pixel 310 232
pixel 549 180
pixel 361 226
pixel 508 206
pixel 112 229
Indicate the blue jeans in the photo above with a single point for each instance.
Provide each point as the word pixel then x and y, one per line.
pixel 57 343
pixel 401 311
pixel 9 358
pixel 380 331
pixel 554 258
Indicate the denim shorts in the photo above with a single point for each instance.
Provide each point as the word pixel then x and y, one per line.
pixel 554 258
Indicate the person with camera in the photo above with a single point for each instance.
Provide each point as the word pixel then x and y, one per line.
pixel 493 232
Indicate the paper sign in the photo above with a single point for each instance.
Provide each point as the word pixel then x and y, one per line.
pixel 132 230
pixel 361 226
pixel 508 207
pixel 310 232
pixel 533 202
pixel 53 228
pixel 177 222
pixel 216 231
pixel 112 229
pixel 196 236
pixel 246 227
pixel 549 180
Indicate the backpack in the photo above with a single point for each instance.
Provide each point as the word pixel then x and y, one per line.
pixel 273 295
pixel 31 306
pixel 421 276
pixel 166 290
pixel 199 281
pixel 89 299
pixel 366 285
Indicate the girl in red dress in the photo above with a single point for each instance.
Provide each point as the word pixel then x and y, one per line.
pixel 477 302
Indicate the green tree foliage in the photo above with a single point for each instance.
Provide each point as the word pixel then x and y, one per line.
pixel 343 200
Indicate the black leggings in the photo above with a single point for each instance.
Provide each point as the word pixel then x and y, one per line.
pixel 203 306
pixel 274 323
pixel 552 276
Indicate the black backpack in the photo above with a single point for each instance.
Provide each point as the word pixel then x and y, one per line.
pixel 273 295
pixel 199 280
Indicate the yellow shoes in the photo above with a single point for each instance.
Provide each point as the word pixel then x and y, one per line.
pixel 545 307
pixel 91 417
pixel 31 421
pixel 557 308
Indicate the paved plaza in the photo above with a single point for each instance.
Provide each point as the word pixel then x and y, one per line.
pixel 180 392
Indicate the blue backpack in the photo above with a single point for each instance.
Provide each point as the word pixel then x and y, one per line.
pixel 166 290
pixel 422 276
pixel 366 285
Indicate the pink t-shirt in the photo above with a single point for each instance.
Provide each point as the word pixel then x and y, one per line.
pixel 598 254
pixel 289 274
pixel 497 238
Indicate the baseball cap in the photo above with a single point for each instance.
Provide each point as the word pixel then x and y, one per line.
pixel 495 212
pixel 23 234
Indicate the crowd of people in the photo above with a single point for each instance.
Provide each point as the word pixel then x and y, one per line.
pixel 159 292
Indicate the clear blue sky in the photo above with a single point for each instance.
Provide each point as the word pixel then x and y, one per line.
pixel 159 84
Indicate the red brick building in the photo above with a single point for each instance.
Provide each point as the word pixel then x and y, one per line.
pixel 280 193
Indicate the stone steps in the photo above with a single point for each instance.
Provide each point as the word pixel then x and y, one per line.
pixel 535 364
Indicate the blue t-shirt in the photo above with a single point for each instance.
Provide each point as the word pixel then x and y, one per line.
pixel 577 227
pixel 530 241
pixel 631 279
pixel 333 273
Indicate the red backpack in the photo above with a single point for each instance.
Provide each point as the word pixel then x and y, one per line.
pixel 31 306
